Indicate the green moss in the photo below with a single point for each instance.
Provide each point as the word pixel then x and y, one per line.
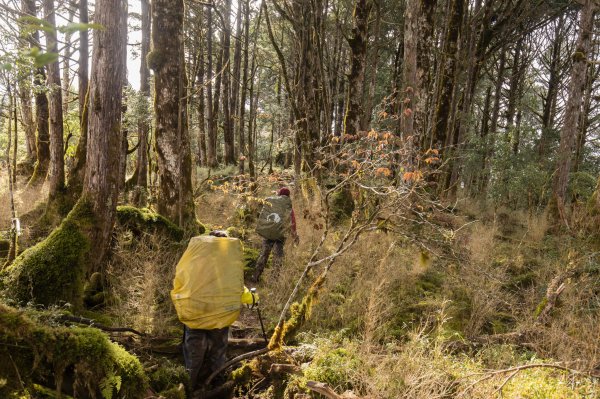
pixel 42 350
pixel 144 219
pixel 341 205
pixel 53 270
pixel 168 377
pixel 250 258
pixel 540 307
pixel 242 375
pixel 155 60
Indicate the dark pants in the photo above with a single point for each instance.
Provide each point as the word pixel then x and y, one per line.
pixel 267 246
pixel 204 352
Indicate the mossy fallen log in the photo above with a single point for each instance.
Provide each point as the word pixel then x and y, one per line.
pixel 77 361
pixel 139 220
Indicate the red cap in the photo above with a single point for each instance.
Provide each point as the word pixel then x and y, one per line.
pixel 284 191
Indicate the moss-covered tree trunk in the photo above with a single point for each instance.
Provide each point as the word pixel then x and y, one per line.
pixel 568 134
pixel 358 59
pixel 175 199
pixel 53 270
pixel 56 172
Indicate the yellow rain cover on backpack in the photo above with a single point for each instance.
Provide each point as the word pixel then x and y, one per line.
pixel 209 282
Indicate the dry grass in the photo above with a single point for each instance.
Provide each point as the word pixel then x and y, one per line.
pixel 140 277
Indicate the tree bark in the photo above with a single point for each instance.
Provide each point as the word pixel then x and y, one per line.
pixel 244 89
pixel 175 199
pixel 42 112
pixel 440 124
pixel 411 90
pixel 141 169
pixel 25 97
pixel 56 171
pixel 235 88
pixel 101 182
pixel 77 172
pixel 358 58
pixel 553 86
pixel 568 134
pixel 228 135
pixel 211 138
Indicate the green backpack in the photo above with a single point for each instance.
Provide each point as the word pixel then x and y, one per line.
pixel 274 219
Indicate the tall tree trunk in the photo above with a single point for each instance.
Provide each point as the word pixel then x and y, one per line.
pixel 495 115
pixel 201 95
pixel 236 76
pixel 175 199
pixel 411 89
pixel 550 99
pixel 358 58
pixel 440 124
pixel 56 172
pixel 101 182
pixel 12 110
pixel 25 97
pixel 42 113
pixel 244 90
pixel 228 136
pixel 369 90
pixel 211 138
pixel 141 169
pixel 568 134
pixel 66 78
pixel 77 172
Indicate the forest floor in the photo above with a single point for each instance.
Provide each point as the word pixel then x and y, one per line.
pixel 459 319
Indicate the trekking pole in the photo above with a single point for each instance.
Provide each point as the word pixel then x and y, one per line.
pixel 262 325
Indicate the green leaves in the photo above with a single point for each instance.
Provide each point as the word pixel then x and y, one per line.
pixel 39 58
pixel 78 27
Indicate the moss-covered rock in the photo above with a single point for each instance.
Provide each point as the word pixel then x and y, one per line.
pixel 77 360
pixel 93 291
pixel 143 219
pixel 341 205
pixel 53 270
pixel 167 378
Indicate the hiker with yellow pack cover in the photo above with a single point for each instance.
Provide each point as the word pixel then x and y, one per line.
pixel 208 292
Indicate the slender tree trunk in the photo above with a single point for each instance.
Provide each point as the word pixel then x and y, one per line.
pixel 56 172
pixel 568 134
pixel 410 93
pixel 12 110
pixel 358 58
pixel 77 172
pixel 66 78
pixel 211 138
pixel 42 113
pixel 141 170
pixel 175 199
pixel 217 101
pixel 441 125
pixel 552 94
pixel 495 115
pixel 25 97
pixel 584 118
pixel 242 105
pixel 235 87
pixel 201 96
pixel 369 93
pixel 228 134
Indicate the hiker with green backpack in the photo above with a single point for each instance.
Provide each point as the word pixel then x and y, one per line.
pixel 276 220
